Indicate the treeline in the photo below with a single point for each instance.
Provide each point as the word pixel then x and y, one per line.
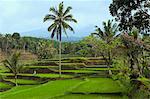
pixel 44 48
pixel 41 47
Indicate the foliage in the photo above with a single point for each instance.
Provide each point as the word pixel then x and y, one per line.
pixel 130 13
pixel 108 41
pixel 132 63
pixel 45 50
pixel 13 64
pixel 59 17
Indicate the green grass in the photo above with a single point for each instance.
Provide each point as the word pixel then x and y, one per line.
pixel 22 81
pixel 72 64
pixel 6 74
pixel 44 91
pixel 4 85
pixel 90 96
pixel 47 75
pixel 16 89
pixel 78 71
pixel 145 81
pixel 40 66
pixel 60 90
pixel 39 75
pixel 3 69
pixel 99 85
pixel 52 76
pixel 100 69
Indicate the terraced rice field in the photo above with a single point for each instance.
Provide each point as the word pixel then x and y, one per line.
pixel 78 80
pixel 64 89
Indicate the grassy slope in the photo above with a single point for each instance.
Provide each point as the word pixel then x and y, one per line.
pixel 89 96
pixel 52 76
pixel 60 87
pixel 16 89
pixel 23 81
pixel 99 69
pixel 44 91
pixel 99 85
pixel 4 85
pixel 78 71
pixel 39 75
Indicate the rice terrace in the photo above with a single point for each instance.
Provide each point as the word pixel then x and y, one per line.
pixel 75 49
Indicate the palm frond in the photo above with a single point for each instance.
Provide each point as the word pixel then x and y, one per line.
pixel 64 30
pixel 52 27
pixel 68 16
pixel 67 10
pixel 7 64
pixel 53 32
pixel 54 10
pixel 60 17
pixel 61 7
pixel 49 17
pixel 67 26
pixel 71 20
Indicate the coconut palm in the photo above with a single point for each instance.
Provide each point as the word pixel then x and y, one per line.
pixel 60 18
pixel 109 31
pixel 8 40
pixel 13 65
pixel 108 34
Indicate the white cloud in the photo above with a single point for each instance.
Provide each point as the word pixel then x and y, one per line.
pixel 26 15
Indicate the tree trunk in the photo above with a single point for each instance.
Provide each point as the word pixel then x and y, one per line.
pixel 110 72
pixel 60 58
pixel 16 79
pixel 6 47
pixel 109 62
pixel 24 47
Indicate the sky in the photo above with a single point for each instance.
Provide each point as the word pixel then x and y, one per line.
pixel 27 15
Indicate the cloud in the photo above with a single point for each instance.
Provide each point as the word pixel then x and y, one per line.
pixel 26 15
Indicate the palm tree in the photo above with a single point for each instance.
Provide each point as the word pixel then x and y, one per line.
pixel 59 17
pixel 108 34
pixel 8 40
pixel 13 64
pixel 16 37
pixel 109 31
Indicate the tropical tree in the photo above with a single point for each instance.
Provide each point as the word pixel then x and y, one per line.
pixel 60 18
pixel 129 13
pixel 133 62
pixel 108 42
pixel 16 37
pixel 109 31
pixel 8 40
pixel 12 63
pixel 45 50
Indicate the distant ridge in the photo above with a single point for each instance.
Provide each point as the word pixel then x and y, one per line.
pixel 45 34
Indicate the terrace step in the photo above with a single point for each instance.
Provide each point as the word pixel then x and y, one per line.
pixel 93 66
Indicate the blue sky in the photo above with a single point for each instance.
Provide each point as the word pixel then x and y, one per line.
pixel 27 15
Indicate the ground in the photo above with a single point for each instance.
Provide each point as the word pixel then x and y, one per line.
pixel 81 78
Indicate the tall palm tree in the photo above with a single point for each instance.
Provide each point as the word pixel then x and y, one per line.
pixel 12 63
pixel 108 34
pixel 109 31
pixel 60 18
pixel 8 40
